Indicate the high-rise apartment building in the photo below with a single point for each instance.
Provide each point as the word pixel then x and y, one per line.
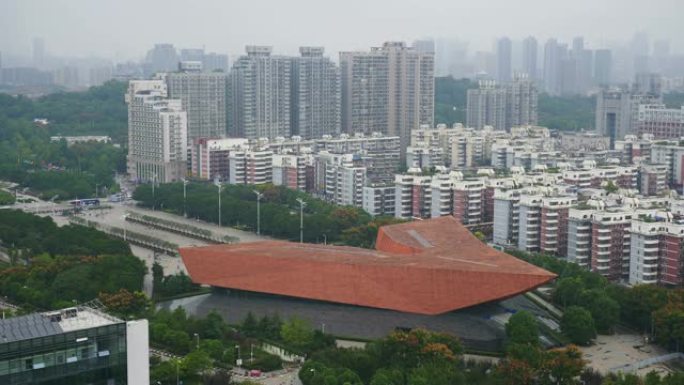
pixel 413 196
pixel 554 56
pixel 657 253
pixel 157 133
pixel 521 102
pixel 380 154
pixel 529 57
pixel 603 62
pixel 211 61
pixel 599 240
pixel 504 54
pixel 210 157
pixel 204 99
pixel 506 216
pixel 514 104
pixel 259 95
pixel 344 181
pixel 315 94
pixel 389 89
pixel 486 106
pixel 583 62
pixel 161 58
pixel 379 199
pixel 613 110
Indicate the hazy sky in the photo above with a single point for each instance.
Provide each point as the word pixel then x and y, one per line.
pixel 125 29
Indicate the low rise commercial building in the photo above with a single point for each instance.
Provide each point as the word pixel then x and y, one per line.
pixel 76 346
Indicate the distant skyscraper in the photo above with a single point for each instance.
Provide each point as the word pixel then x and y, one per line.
pixel 504 53
pixel 641 45
pixel 552 67
pixel 389 89
pixel 425 46
pixel 38 52
pixel 66 76
pixel 215 62
pixel 451 58
pixel 648 83
pixel 486 106
pixel 204 99
pixel 157 133
pixel 617 111
pixel 578 44
pixel 259 95
pixel 315 94
pixel 583 72
pixel 192 54
pixel 521 102
pixel 661 54
pixel 502 107
pixel 529 57
pixel 568 76
pixel 603 62
pixel 162 58
pixel 211 61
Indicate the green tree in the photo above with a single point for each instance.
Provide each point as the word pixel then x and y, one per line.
pixel 297 332
pixel 610 187
pixel 578 325
pixel 6 198
pixel 522 328
pixel 604 310
pixel 249 325
pixel 563 366
pixel 196 363
pixel 568 290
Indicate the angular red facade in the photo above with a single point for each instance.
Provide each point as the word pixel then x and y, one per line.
pixel 426 267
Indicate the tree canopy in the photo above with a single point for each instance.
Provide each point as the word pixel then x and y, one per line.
pixel 54 169
pixel 323 221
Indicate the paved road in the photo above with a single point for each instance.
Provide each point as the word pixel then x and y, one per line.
pixel 287 378
pixel 114 216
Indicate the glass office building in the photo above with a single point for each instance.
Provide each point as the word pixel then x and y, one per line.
pixel 73 346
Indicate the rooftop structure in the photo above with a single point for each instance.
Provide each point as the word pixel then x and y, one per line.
pixel 425 267
pixel 73 346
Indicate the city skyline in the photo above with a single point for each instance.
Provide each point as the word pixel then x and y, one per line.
pixel 225 29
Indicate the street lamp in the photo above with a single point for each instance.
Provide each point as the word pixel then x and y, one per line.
pixel 218 185
pixel 197 340
pixel 301 219
pixel 96 189
pixel 185 184
pixel 259 196
pixel 239 359
pixel 177 371
pixel 124 225
pixel 154 197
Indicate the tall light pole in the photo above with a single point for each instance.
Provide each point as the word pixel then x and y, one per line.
pixel 185 197
pixel 258 195
pixel 218 184
pixel 197 340
pixel 239 359
pixel 154 197
pixel 124 225
pixel 301 219
pixel 96 189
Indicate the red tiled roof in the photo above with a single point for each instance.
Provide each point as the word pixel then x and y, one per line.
pixel 427 267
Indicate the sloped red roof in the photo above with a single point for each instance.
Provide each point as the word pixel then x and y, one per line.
pixel 427 267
